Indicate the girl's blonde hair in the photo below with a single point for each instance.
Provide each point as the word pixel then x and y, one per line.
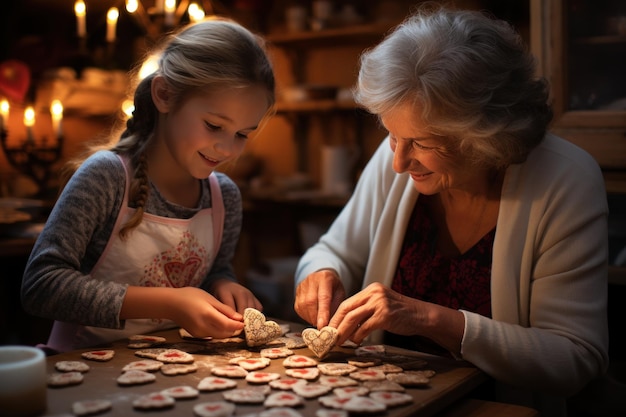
pixel 212 54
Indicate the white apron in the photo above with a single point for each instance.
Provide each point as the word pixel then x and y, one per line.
pixel 160 252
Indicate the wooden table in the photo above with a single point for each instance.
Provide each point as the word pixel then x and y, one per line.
pixel 471 407
pixel 453 381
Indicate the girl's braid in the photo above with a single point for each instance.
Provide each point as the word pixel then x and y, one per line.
pixel 139 130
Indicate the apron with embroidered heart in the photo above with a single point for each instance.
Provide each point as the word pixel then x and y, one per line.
pixel 160 252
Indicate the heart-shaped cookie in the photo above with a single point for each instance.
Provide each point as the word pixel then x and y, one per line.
pixel 320 341
pixel 258 330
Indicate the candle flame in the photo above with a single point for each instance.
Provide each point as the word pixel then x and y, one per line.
pixel 195 12
pixel 132 6
pixel 112 15
pixel 29 116
pixel 170 5
pixel 4 108
pixel 79 8
pixel 56 108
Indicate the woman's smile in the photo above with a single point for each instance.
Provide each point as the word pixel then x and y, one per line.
pixel 420 176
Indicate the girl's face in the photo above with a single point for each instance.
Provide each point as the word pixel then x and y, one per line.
pixel 209 130
pixel 430 160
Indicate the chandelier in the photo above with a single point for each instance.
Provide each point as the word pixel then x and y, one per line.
pixel 163 16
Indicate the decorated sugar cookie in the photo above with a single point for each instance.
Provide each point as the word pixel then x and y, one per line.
pixel 99 355
pixel 320 341
pixel 88 407
pixel 257 329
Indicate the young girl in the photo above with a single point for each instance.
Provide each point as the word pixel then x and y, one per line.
pixel 143 234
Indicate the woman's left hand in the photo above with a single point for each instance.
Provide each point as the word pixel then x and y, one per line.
pixel 235 295
pixel 376 307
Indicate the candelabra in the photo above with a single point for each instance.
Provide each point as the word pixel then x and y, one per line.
pixel 33 159
pixel 156 20
pixel 31 156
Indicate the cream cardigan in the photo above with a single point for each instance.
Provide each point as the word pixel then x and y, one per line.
pixel 549 329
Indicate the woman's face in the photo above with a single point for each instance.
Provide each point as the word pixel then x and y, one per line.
pixel 431 160
pixel 209 130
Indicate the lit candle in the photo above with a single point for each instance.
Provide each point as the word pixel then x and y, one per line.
pixel 170 8
pixel 4 113
pixel 81 11
pixel 132 6
pixel 112 15
pixel 29 122
pixel 195 12
pixel 56 109
pixel 135 8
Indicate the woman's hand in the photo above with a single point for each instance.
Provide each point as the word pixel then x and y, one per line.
pixel 318 296
pixel 235 295
pixel 379 307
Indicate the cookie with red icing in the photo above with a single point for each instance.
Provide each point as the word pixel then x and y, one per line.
pixel 214 409
pixel 299 361
pixel 215 383
pixel 175 356
pixel 155 400
pixel 283 399
pixel 99 355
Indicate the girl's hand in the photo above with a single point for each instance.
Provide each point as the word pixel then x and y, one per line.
pixel 202 315
pixel 192 308
pixel 235 295
pixel 318 296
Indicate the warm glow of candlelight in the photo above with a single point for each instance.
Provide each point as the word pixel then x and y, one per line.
pixel 150 65
pixel 128 107
pixel 29 116
pixel 132 6
pixel 170 8
pixel 56 109
pixel 4 112
pixel 170 5
pixel 81 11
pixel 29 122
pixel 195 12
pixel 112 15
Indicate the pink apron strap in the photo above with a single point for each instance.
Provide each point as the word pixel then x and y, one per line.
pixel 217 203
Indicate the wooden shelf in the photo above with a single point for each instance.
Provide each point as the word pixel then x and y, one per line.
pixel 364 32
pixel 601 40
pixel 312 106
pixel 594 70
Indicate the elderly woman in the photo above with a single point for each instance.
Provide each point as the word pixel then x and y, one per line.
pixel 472 231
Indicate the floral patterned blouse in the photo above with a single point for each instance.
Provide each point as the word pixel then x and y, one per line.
pixel 461 282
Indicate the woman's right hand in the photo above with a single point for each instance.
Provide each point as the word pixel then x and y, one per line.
pixel 318 296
